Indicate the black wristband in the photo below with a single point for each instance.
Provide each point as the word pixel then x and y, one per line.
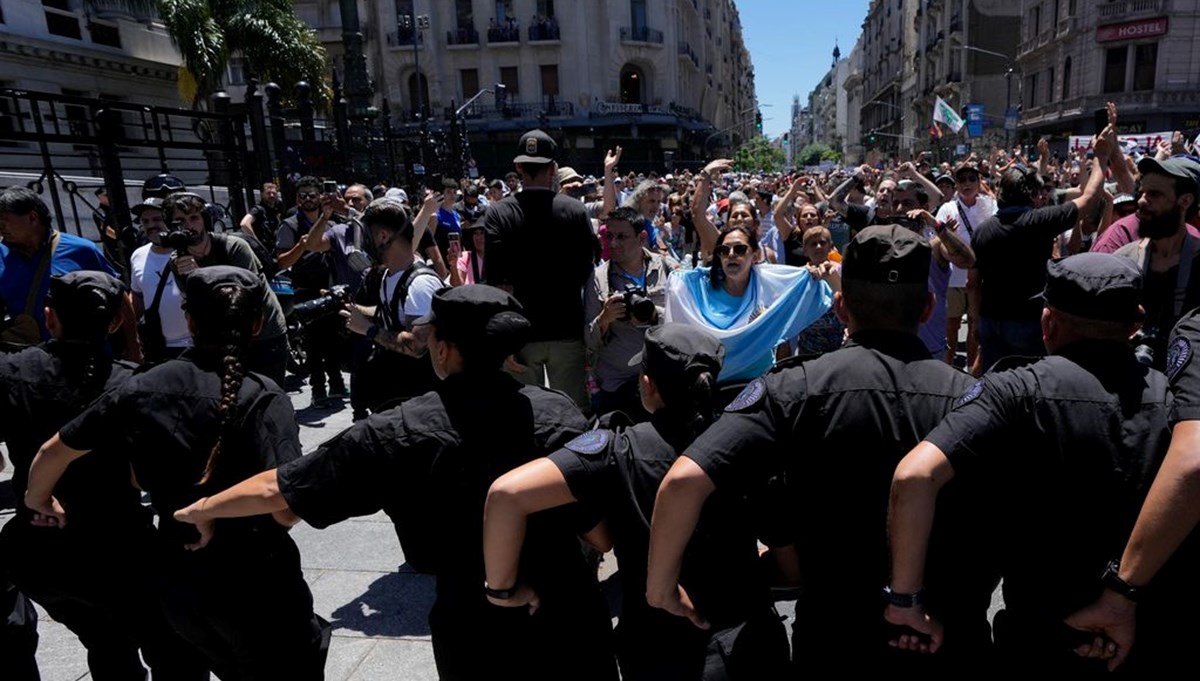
pixel 1112 580
pixel 499 594
pixel 903 600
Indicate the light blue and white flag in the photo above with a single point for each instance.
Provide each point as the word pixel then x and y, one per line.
pixel 780 302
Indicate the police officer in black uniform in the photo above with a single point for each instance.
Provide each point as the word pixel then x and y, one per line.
pixel 107 605
pixel 617 472
pixel 835 427
pixel 1070 444
pixel 431 460
pixel 192 426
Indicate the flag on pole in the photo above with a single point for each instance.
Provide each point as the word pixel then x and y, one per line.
pixel 945 114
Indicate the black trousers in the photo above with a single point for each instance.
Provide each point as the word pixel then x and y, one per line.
pixel 323 344
pixel 18 635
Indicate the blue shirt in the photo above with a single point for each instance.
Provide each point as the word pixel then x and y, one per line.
pixel 74 253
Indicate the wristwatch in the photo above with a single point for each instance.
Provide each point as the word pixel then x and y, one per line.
pixel 499 594
pixel 1112 580
pixel 903 600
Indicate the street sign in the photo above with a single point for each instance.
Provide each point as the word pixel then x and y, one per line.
pixel 975 120
pixel 1010 119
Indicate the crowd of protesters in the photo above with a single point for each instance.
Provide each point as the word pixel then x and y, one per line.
pixel 651 301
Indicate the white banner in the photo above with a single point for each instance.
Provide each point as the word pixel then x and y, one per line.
pixel 1144 143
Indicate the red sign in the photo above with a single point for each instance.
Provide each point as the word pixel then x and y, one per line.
pixel 1131 30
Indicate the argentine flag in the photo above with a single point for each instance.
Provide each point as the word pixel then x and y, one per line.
pixel 779 303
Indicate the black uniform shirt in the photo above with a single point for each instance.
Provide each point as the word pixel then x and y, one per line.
pixel 838 425
pixel 1011 250
pixel 618 474
pixel 38 394
pixel 430 462
pixel 541 243
pixel 166 420
pixel 1070 444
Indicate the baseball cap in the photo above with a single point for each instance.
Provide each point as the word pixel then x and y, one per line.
pixel 1179 167
pixel 536 147
pixel 1099 286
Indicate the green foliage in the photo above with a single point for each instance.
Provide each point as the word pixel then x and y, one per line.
pixel 758 154
pixel 276 44
pixel 813 154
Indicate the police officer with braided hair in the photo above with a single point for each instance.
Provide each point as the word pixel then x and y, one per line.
pixel 192 426
pixel 617 472
pixel 108 605
pixel 431 461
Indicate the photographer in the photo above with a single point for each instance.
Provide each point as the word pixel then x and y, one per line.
pixel 392 297
pixel 162 327
pixel 624 297
pixel 196 247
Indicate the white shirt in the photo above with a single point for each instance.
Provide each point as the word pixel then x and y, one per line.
pixel 420 293
pixel 983 209
pixel 145 266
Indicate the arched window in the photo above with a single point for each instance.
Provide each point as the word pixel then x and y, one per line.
pixel 633 85
pixel 421 104
pixel 1066 91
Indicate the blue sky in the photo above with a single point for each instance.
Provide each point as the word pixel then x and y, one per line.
pixel 791 45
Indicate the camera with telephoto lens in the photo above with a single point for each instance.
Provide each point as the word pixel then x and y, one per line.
pixel 178 239
pixel 638 305
pixel 317 308
pixel 1143 345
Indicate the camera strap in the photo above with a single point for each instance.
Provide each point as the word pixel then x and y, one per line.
pixel 43 267
pixel 162 284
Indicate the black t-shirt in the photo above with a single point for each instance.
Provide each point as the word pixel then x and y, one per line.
pixel 541 243
pixel 312 271
pixel 836 427
pixel 42 388
pixel 618 473
pixel 266 224
pixel 168 424
pixel 1069 445
pixel 1011 250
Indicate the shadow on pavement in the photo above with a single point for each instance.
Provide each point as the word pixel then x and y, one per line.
pixel 396 604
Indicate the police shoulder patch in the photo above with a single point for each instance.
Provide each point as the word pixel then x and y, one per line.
pixel 752 393
pixel 591 442
pixel 974 391
pixel 1178 356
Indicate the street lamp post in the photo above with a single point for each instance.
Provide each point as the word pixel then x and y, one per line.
pixel 414 23
pixel 459 126
pixel 1010 66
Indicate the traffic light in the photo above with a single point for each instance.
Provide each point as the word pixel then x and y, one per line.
pixel 871 138
pixel 786 138
pixel 758 121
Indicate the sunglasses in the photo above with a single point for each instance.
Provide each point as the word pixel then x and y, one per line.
pixel 968 177
pixel 308 195
pixel 737 249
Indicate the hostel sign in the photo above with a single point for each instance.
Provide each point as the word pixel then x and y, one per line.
pixel 1132 30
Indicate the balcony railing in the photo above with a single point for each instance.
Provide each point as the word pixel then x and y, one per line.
pixel 547 30
pixel 405 38
pixel 1115 10
pixel 685 51
pixel 504 34
pixel 641 34
pixel 518 110
pixel 462 36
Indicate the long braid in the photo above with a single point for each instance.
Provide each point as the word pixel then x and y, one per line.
pixel 692 404
pixel 233 326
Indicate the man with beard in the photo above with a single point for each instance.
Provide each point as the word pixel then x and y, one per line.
pixel 1166 252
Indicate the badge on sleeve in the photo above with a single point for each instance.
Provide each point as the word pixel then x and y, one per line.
pixel 590 443
pixel 974 391
pixel 751 394
pixel 1178 356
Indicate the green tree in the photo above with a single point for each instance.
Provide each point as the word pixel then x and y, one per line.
pixel 813 154
pixel 276 44
pixel 758 154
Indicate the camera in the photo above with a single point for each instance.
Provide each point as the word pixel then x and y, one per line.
pixel 638 306
pixel 178 239
pixel 1143 345
pixel 317 308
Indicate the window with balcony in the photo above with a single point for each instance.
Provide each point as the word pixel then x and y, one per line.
pixel 60 21
pixel 1035 20
pixel 545 8
pixel 637 14
pixel 509 77
pixel 1050 85
pixel 504 11
pixel 549 80
pixel 418 93
pixel 1066 86
pixel 1114 68
pixel 1031 90
pixel 469 79
pixel 1145 64
pixel 104 34
pixel 463 14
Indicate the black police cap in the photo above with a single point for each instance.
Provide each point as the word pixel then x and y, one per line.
pixel 1097 286
pixel 85 291
pixel 536 147
pixel 477 313
pixel 887 254
pixel 201 286
pixel 673 351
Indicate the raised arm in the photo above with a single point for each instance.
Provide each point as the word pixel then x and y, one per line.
pixel 1116 161
pixel 429 206
pixel 536 486
pixel 611 159
pixel 1091 199
pixel 909 171
pixel 783 221
pixel 700 199
pixel 837 200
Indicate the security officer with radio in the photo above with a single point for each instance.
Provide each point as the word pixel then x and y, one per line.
pixel 1069 446
pixel 431 460
pixel 834 428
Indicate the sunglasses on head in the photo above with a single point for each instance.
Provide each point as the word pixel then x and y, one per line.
pixel 736 249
